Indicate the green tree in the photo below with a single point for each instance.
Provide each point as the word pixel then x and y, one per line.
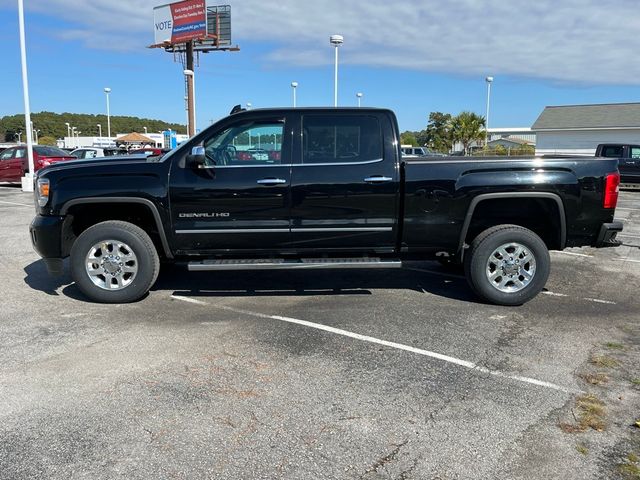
pixel 47 140
pixel 438 132
pixel 53 125
pixel 466 128
pixel 408 138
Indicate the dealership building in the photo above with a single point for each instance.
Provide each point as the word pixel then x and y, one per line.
pixel 578 129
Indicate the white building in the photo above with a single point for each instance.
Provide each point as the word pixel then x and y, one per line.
pixel 578 129
pixel 522 133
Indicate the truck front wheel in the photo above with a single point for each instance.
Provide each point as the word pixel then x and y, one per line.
pixel 507 265
pixel 114 262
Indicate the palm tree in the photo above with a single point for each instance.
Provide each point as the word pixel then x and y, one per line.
pixel 467 128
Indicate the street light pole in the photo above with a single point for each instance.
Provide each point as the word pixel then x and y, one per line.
pixel 359 95
pixel 107 91
pixel 294 87
pixel 489 81
pixel 27 185
pixel 100 132
pixel 191 102
pixel 336 41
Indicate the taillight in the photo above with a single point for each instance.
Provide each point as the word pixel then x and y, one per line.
pixel 611 189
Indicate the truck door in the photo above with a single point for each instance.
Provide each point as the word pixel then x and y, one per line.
pixel 240 198
pixel 345 183
pixel 630 165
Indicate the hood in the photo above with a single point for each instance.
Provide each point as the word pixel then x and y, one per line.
pixel 101 163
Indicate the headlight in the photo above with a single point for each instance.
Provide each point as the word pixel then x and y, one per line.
pixel 43 191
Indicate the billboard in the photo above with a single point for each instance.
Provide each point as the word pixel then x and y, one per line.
pixel 180 22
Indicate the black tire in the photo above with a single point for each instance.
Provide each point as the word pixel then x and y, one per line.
pixel 147 261
pixel 477 258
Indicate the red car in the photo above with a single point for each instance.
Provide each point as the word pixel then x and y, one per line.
pixel 14 162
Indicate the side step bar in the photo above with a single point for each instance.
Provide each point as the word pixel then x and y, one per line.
pixel 285 264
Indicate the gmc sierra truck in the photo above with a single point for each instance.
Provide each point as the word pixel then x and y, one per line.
pixel 317 188
pixel 628 162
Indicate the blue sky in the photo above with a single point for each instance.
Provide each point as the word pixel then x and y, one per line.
pixel 411 56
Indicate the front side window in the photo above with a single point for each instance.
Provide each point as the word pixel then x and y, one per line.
pixel 20 153
pixel 341 139
pixel 247 144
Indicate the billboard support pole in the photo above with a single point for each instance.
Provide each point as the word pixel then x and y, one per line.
pixel 190 89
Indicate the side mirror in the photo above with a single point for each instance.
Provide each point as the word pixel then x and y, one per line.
pixel 197 157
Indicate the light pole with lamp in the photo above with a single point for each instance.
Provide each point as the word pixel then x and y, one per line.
pixel 359 96
pixel 145 130
pixel 489 81
pixel 186 109
pixel 191 94
pixel 107 91
pixel 336 41
pixel 99 131
pixel 35 133
pixel 19 134
pixel 294 87
pixel 73 137
pixel 27 180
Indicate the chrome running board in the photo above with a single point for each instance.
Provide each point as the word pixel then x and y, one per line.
pixel 286 264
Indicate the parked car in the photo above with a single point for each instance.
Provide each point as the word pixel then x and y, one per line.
pixel 148 151
pixel 628 161
pixel 97 152
pixel 341 196
pixel 420 152
pixel 14 162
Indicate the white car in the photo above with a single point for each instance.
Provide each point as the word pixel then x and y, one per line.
pixel 88 152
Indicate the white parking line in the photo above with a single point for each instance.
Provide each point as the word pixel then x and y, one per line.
pixel 553 294
pixel 627 260
pixel 628 209
pixel 377 341
pixel 597 300
pixel 18 204
pixel 572 254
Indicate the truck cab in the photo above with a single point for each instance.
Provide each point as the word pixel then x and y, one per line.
pixel 628 156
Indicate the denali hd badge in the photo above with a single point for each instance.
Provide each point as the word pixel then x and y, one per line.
pixel 204 215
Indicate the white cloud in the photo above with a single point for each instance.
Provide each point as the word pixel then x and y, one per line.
pixel 583 41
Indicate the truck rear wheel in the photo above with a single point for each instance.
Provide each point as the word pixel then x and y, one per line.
pixel 114 262
pixel 507 265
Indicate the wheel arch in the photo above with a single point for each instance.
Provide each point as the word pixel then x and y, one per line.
pixel 123 201
pixel 552 198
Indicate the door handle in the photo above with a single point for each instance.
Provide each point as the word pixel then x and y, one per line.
pixel 272 181
pixel 378 179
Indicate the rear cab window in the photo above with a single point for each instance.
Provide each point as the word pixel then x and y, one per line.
pixel 341 139
pixel 614 151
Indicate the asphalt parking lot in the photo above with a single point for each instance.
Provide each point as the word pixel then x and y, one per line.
pixel 345 374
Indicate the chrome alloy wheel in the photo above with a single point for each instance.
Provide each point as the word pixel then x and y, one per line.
pixel 511 267
pixel 111 265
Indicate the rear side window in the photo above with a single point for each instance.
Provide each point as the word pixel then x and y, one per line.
pixel 341 139
pixel 635 152
pixel 612 151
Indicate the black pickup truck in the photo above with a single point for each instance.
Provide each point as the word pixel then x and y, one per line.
pixel 628 162
pixel 317 188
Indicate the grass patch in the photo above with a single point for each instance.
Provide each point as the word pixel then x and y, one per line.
pixel 635 381
pixel 589 414
pixel 595 378
pixel 582 449
pixel 630 469
pixel 614 346
pixel 604 361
